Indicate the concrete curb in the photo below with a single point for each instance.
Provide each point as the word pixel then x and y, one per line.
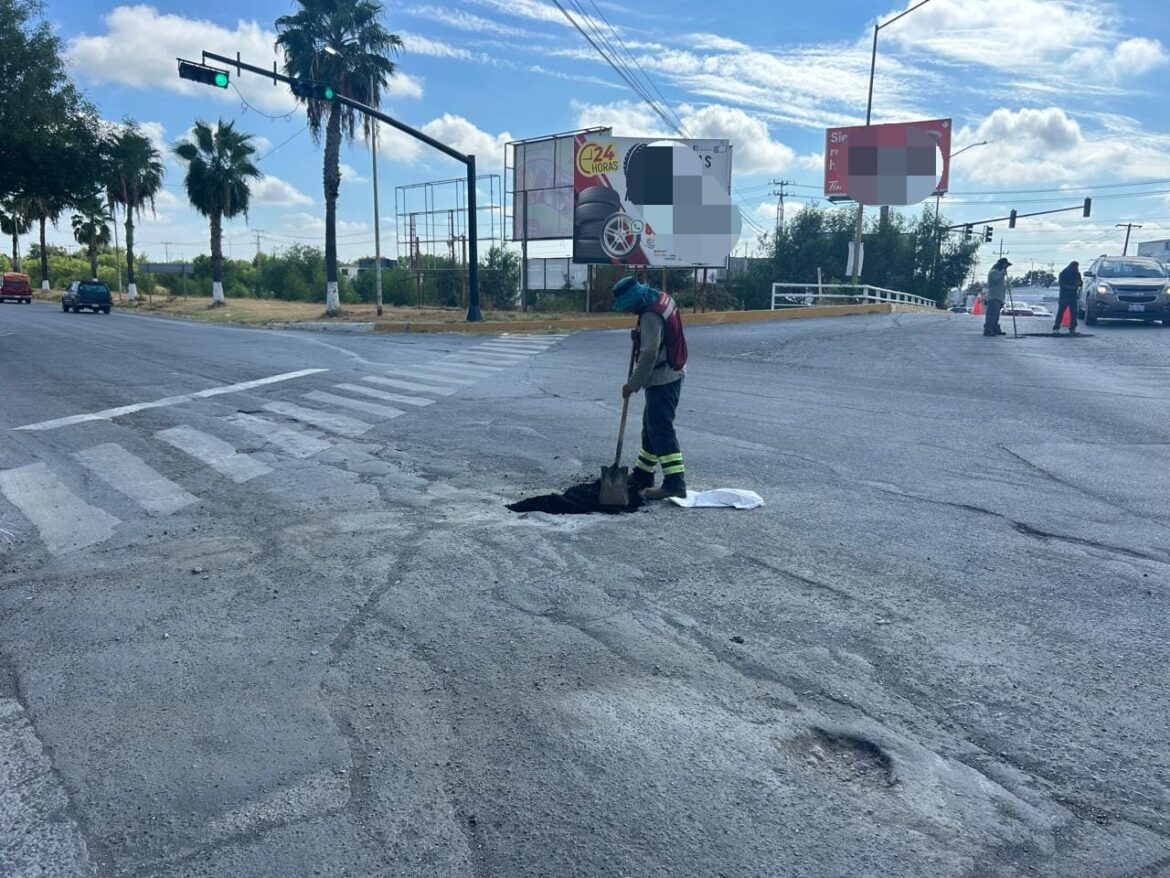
pixel 623 321
pixel 324 327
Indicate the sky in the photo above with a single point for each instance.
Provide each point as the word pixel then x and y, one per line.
pixel 1069 94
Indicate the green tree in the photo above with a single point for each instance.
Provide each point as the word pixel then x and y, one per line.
pixel 342 43
pixel 1039 277
pixel 219 173
pixel 499 278
pixel 134 179
pixel 91 228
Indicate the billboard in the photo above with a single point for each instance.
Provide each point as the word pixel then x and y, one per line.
pixel 658 203
pixel 900 163
pixel 542 187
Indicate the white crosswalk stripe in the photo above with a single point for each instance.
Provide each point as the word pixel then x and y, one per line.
pixel 65 521
pixel 382 394
pixel 427 374
pixel 293 442
pixel 339 424
pixel 508 348
pixel 487 360
pixel 463 369
pixel 131 476
pixel 370 408
pixel 410 385
pixel 213 451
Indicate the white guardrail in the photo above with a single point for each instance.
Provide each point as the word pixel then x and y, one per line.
pixel 811 295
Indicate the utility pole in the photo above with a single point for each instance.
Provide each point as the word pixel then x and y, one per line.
pixel 373 129
pixel 780 195
pixel 256 292
pixel 1128 228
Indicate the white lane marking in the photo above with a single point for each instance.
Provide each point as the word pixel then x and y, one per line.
pixel 288 440
pixel 65 521
pixel 213 451
pixel 463 370
pixel 429 375
pixel 360 405
pixel 109 414
pixel 40 836
pixel 507 352
pixel 410 385
pixel 131 476
pixel 339 424
pixel 382 394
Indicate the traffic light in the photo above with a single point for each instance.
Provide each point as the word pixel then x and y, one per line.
pixel 1088 206
pixel 202 73
pixel 966 232
pixel 1012 220
pixel 310 90
pixel 987 234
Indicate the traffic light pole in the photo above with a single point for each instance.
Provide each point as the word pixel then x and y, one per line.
pixel 474 314
pixel 1014 215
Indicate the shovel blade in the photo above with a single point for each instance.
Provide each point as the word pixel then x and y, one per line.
pixel 614 490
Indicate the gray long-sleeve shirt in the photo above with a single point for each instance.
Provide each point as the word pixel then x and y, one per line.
pixel 652 367
pixel 996 285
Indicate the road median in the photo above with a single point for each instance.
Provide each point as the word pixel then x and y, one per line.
pixel 619 321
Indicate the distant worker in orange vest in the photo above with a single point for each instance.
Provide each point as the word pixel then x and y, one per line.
pixel 661 351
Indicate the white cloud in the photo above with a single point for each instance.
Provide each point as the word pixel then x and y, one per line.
pixel 402 85
pixel 466 21
pixel 755 150
pixel 462 135
pixel 1081 41
pixel 419 45
pixel 714 41
pixel 306 225
pixel 349 174
pixel 140 45
pixel 1047 145
pixel 274 192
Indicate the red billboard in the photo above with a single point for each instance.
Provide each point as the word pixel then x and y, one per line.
pixel 898 163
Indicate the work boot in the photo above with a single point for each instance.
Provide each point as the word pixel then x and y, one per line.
pixel 672 486
pixel 999 331
pixel 640 480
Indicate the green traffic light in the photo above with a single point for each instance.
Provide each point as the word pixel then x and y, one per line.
pixel 221 80
pixel 328 93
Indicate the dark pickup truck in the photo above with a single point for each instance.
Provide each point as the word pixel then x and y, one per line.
pixel 87 294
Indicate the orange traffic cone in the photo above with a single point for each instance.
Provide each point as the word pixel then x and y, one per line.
pixel 978 309
pixel 1066 320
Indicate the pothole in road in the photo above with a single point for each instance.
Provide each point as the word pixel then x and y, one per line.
pixel 580 499
pixel 848 758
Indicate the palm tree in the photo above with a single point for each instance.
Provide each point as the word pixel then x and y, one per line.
pixel 135 178
pixel 91 227
pixel 219 170
pixel 15 220
pixel 343 44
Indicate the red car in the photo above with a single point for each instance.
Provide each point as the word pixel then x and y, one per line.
pixel 16 286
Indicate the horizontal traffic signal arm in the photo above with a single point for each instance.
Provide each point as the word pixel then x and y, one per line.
pixel 340 98
pixel 1085 208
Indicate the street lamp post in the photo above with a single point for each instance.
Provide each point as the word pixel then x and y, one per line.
pixel 868 115
pixel 937 208
pixel 377 219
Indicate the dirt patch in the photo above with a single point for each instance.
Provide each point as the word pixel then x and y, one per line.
pixel 582 499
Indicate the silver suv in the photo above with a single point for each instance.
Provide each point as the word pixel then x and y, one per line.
pixel 1126 288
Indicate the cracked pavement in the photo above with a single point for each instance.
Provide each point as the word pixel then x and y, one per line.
pixel 938 650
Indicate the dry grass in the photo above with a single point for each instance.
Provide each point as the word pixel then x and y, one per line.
pixel 260 312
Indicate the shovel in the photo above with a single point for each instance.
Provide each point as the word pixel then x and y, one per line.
pixel 614 489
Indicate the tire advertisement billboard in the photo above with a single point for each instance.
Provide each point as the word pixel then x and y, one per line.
pixel 657 203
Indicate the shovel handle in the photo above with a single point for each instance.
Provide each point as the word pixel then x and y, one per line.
pixel 626 400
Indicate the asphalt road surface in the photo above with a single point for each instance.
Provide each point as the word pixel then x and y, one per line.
pixel 263 610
